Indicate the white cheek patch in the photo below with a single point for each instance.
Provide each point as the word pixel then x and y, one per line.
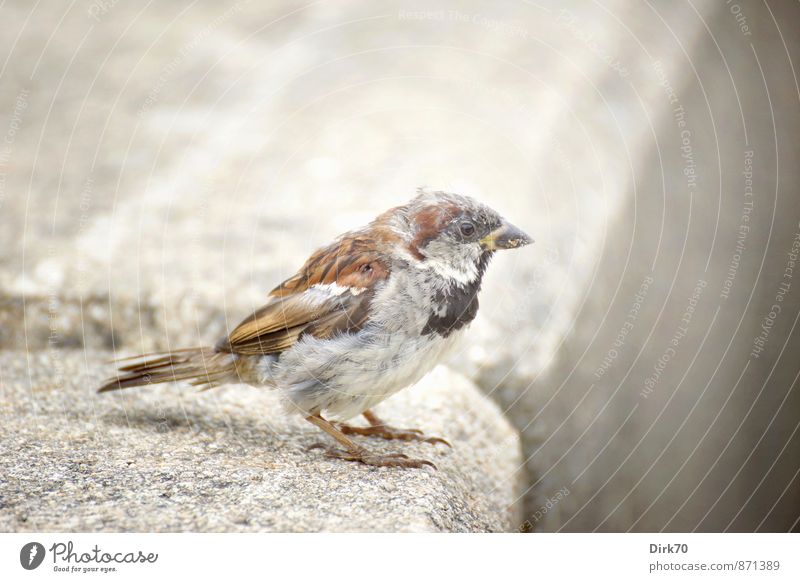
pixel 461 269
pixel 463 272
pixel 456 263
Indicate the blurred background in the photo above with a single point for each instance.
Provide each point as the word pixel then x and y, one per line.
pixel 164 165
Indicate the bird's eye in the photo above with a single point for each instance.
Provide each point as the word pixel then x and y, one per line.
pixel 467 228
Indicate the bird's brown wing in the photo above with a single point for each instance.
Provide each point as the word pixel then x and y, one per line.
pixel 330 294
pixel 352 261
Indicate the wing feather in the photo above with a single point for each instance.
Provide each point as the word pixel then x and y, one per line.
pixel 331 294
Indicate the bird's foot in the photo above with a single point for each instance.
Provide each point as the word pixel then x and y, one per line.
pixel 390 433
pixel 373 459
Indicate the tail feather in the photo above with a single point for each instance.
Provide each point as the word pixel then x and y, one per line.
pixel 202 366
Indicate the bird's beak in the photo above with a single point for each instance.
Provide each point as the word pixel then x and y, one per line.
pixel 507 236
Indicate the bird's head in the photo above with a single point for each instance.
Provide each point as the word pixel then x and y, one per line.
pixel 456 235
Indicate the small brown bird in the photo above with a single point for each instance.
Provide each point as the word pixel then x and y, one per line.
pixel 365 317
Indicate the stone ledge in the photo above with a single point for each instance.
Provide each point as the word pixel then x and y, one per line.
pixel 167 458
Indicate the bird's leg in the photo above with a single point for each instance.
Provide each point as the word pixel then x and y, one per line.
pixel 354 452
pixel 382 430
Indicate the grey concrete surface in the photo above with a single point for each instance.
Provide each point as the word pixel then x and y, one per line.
pixel 168 458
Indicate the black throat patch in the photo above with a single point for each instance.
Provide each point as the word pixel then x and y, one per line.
pixel 458 304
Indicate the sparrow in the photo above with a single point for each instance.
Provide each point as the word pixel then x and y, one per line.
pixel 364 317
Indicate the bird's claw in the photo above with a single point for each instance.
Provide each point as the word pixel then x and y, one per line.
pixel 373 459
pixel 435 440
pixel 391 433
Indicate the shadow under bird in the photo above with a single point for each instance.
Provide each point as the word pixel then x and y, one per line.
pixel 365 317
